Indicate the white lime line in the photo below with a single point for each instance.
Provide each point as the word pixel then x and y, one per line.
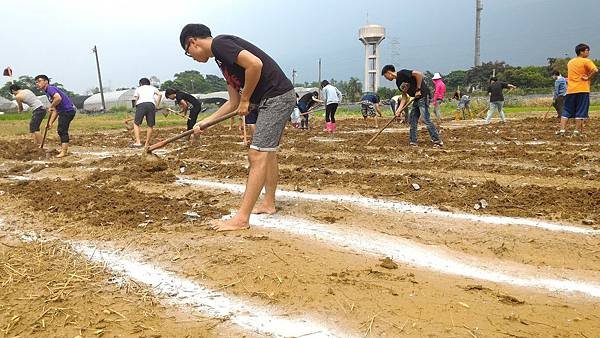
pixel 18 178
pixel 423 256
pixel 402 207
pixel 184 292
pixel 181 291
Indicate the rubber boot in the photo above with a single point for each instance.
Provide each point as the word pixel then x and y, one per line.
pixel 332 130
pixel 327 127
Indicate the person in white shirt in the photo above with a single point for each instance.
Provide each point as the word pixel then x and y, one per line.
pixel 332 97
pixel 38 111
pixel 146 99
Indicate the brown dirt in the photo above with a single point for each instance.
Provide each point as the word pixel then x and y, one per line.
pixel 46 291
pixel 22 150
pixel 106 200
pixel 364 295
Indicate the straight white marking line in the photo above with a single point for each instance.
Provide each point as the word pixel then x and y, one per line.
pixel 420 256
pixel 183 292
pixel 402 207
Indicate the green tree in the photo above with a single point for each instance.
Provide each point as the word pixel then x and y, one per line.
pixel 456 78
pixel 215 83
pixel 527 77
pixel 28 82
pixel 192 81
pixel 386 93
pixel 353 89
pixel 479 77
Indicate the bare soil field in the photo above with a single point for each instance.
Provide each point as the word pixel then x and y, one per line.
pixel 494 235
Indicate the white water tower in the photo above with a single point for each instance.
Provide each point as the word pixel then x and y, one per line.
pixel 371 36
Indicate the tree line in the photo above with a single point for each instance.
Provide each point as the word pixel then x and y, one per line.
pixel 529 79
pixel 190 81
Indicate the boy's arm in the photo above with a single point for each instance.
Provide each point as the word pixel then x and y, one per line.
pixel 593 70
pixel 19 100
pixel 401 103
pixel 184 106
pixel 157 93
pixel 419 77
pixel 252 70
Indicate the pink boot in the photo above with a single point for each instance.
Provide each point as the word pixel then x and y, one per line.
pixel 332 129
pixel 327 127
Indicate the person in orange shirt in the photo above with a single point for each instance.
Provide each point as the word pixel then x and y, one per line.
pixel 577 101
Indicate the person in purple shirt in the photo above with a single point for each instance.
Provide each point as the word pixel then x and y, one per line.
pixel 61 107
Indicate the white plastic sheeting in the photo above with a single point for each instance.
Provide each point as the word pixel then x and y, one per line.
pixel 6 105
pixel 111 99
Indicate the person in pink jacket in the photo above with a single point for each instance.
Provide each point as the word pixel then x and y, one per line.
pixel 438 96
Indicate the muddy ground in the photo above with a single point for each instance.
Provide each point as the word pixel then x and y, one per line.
pixel 113 196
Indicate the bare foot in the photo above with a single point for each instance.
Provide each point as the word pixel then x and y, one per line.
pixel 229 225
pixel 61 154
pixel 268 210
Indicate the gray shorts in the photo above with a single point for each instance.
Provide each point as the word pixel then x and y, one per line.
pixel 148 110
pixel 273 114
pixel 37 116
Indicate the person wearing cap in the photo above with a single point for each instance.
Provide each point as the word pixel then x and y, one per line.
pixel 61 107
pixel 38 112
pixel 438 95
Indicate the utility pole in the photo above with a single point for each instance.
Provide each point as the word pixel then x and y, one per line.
pixel 294 72
pixel 319 70
pixel 95 50
pixel 479 8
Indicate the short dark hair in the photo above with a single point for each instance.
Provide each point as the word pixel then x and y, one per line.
pixel 493 78
pixel 42 76
pixel 144 81
pixel 555 73
pixel 582 47
pixel 388 68
pixel 170 91
pixel 14 87
pixel 193 30
pixel 324 83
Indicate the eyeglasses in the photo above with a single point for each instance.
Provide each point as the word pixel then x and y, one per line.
pixel 187 47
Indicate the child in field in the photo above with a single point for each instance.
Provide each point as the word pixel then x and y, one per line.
pixel 577 101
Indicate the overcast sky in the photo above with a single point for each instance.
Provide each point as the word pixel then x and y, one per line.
pixel 141 38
